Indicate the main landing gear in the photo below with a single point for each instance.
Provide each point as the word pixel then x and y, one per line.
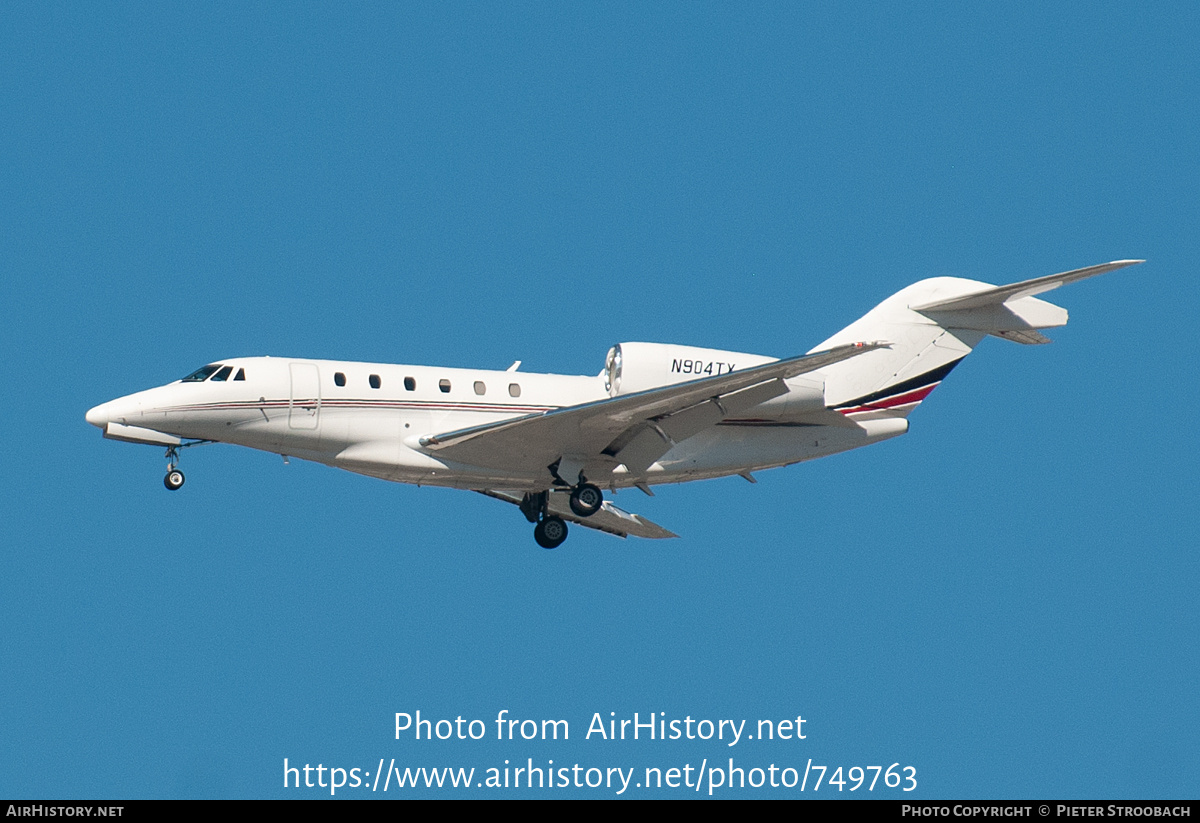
pixel 174 479
pixel 586 499
pixel 550 530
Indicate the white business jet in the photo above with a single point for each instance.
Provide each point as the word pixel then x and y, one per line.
pixel 551 444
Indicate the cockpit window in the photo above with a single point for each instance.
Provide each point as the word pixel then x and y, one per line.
pixel 200 375
pixel 222 375
pixel 241 375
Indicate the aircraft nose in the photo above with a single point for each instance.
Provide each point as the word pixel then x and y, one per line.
pixel 98 416
pixel 122 410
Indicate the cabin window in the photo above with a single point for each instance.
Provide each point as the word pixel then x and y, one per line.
pixel 444 385
pixel 514 389
pixel 410 384
pixel 222 375
pixel 479 387
pixel 374 381
pixel 339 379
pixel 200 375
pixel 241 375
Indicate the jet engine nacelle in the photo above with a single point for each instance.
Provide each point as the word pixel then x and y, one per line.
pixel 635 367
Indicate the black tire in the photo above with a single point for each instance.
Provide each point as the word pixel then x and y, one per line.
pixel 550 532
pixel 173 480
pixel 586 499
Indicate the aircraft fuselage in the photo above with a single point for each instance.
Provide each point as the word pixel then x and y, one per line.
pixel 369 417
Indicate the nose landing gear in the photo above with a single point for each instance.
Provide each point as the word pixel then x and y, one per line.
pixel 174 479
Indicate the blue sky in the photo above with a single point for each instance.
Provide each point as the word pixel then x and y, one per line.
pixel 1004 599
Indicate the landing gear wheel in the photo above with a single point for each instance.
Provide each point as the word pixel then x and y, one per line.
pixel 174 479
pixel 586 499
pixel 550 532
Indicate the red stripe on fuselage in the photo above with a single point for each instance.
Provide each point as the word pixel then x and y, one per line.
pixel 899 400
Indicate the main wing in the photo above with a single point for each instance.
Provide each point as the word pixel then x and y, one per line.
pixel 634 429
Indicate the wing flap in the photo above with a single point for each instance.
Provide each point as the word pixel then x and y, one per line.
pixel 657 436
pixel 648 444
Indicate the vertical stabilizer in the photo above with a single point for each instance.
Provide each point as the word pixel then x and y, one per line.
pixel 892 382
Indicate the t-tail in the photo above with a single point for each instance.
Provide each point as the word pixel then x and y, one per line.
pixel 931 326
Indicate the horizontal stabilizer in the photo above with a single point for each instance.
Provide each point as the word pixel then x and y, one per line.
pixel 998 295
pixel 609 519
pixel 1011 312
